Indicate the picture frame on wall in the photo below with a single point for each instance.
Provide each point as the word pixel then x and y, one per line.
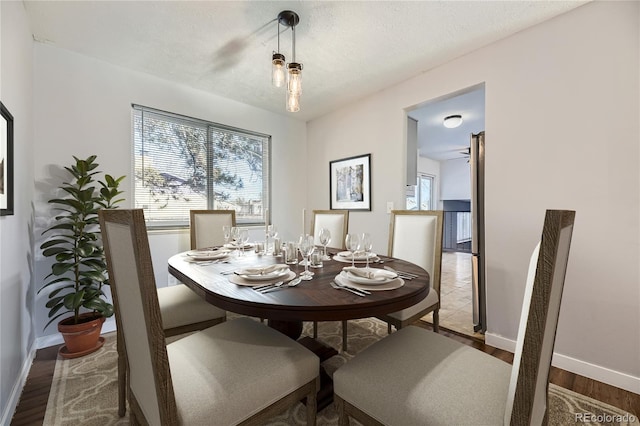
pixel 350 183
pixel 6 162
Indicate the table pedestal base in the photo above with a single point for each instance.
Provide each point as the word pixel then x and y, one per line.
pixel 293 329
pixel 325 394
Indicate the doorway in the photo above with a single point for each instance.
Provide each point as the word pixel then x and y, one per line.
pixel 444 154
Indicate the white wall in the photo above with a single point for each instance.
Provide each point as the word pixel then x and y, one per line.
pixel 561 132
pixel 455 180
pixel 83 107
pixel 16 281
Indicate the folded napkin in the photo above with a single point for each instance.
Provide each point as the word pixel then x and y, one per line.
pixel 262 270
pixel 205 252
pixel 371 273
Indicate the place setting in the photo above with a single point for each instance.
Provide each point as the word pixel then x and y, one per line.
pixel 207 255
pixel 368 279
pixel 261 276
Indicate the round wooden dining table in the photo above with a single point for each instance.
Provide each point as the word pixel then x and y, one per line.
pixel 313 300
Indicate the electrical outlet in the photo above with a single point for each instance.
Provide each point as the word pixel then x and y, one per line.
pixel 389 206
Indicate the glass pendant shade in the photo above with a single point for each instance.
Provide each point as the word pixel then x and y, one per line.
pixel 278 70
pixel 293 102
pixel 295 79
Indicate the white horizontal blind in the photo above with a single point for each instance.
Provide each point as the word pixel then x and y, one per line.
pixel 183 164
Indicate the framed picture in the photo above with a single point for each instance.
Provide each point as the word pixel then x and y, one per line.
pixel 6 162
pixel 350 183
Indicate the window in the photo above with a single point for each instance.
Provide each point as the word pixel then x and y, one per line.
pixel 182 164
pixel 420 196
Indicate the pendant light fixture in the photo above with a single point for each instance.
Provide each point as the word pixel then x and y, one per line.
pixel 290 19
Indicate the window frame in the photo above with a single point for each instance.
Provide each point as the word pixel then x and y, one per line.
pixel 210 200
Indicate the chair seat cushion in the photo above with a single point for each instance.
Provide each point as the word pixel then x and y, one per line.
pixel 179 306
pixel 216 371
pixel 427 302
pixel 421 378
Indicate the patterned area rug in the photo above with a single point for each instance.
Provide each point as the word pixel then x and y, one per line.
pixel 84 390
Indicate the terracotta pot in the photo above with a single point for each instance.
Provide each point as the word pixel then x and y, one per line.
pixel 82 338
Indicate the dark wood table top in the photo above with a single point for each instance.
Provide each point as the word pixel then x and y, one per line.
pixel 313 300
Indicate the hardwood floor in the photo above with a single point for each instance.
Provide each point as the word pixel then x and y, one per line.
pixel 33 401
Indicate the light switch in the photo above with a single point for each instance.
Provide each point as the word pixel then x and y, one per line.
pixel 389 206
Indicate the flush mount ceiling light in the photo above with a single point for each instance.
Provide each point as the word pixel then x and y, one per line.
pixel 452 121
pixel 293 68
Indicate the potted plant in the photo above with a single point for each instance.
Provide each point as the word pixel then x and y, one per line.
pixel 79 271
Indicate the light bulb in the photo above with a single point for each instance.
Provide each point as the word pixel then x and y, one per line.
pixel 293 103
pixel 295 78
pixel 278 75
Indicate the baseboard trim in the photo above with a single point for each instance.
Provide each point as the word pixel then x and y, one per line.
pixel 583 368
pixel 16 392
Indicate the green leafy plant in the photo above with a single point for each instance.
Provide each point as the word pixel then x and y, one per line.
pixel 79 272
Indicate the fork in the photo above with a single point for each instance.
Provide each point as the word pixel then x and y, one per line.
pixel 291 283
pixel 263 287
pixel 355 291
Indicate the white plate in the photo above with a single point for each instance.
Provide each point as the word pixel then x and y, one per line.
pixel 369 281
pixel 207 254
pixel 237 279
pixel 358 256
pixel 234 247
pixel 265 277
pixel 391 285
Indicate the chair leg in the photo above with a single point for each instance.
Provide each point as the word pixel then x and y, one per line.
pixel 436 321
pixel 122 382
pixel 315 329
pixel 344 335
pixel 388 328
pixel 312 407
pixel 343 418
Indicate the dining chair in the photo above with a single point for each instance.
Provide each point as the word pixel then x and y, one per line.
pixel 181 309
pixel 206 227
pixel 337 222
pixel 415 376
pixel 238 372
pixel 416 236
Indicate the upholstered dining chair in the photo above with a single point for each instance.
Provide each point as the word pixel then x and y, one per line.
pixel 206 227
pixel 182 310
pixel 415 376
pixel 238 372
pixel 337 222
pixel 416 236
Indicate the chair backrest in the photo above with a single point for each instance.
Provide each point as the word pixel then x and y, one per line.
pixel 336 221
pixel 527 398
pixel 206 227
pixel 135 297
pixel 416 236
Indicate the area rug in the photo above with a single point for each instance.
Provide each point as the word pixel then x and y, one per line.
pixel 84 390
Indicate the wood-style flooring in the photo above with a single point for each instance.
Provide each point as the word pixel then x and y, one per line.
pixel 33 402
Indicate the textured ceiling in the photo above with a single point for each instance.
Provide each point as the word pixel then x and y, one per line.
pixel 349 49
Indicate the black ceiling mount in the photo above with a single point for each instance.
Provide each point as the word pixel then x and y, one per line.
pixel 288 18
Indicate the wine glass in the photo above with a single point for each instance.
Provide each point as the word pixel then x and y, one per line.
pixel 235 233
pixel 366 244
pixel 306 245
pixel 243 238
pixel 226 230
pixel 325 239
pixel 271 232
pixel 352 241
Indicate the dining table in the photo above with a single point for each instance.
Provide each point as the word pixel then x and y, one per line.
pixel 219 281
